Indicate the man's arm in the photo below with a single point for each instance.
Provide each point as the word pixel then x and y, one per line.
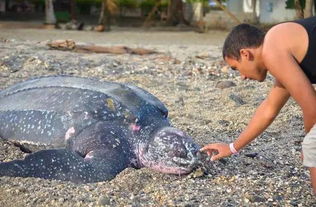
pixel 263 117
pixel 276 53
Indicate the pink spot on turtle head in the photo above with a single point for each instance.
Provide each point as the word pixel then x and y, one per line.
pixel 70 132
pixel 89 156
pixel 135 128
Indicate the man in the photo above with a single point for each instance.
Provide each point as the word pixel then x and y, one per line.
pixel 288 52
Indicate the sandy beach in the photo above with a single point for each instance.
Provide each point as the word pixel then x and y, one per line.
pixel 205 99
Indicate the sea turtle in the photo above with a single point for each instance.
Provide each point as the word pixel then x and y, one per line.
pixel 92 130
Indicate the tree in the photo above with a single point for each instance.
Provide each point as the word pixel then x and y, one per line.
pixel 108 8
pixel 254 13
pixel 308 11
pixel 175 13
pixel 49 12
pixel 73 9
pixel 298 4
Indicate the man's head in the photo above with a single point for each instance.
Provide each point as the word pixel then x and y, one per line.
pixel 242 51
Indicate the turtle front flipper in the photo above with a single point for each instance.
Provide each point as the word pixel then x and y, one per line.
pixel 63 164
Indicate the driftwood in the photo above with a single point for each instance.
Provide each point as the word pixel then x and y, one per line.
pixel 70 45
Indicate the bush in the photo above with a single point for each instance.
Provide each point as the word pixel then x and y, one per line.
pixel 128 4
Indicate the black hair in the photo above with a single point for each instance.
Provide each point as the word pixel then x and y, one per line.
pixel 242 36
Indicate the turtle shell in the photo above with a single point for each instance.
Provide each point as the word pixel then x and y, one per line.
pixel 43 108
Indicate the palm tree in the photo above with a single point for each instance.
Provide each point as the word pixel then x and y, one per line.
pixel 308 11
pixel 175 13
pixel 254 13
pixel 299 9
pixel 108 8
pixel 73 12
pixel 49 12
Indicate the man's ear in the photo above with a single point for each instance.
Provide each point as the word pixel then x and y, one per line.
pixel 246 53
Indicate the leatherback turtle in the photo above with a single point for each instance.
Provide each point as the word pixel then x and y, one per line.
pixel 92 129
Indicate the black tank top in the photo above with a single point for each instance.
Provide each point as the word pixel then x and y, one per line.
pixel 308 64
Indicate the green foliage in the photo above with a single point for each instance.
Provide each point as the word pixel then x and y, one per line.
pixel 62 16
pixel 196 1
pixel 164 4
pixel 84 5
pixel 88 2
pixel 290 4
pixel 147 4
pixel 38 2
pixel 128 3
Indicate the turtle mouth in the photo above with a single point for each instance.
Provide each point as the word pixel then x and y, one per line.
pixel 175 165
pixel 160 167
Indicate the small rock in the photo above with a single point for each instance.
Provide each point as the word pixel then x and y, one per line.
pixel 251 155
pixel 104 200
pixel 257 199
pixel 225 84
pixel 224 123
pixel 237 99
pixel 197 173
pixel 225 69
pixel 61 200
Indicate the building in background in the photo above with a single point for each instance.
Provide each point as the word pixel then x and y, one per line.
pixel 2 6
pixel 267 12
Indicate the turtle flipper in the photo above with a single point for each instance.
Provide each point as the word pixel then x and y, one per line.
pixel 59 164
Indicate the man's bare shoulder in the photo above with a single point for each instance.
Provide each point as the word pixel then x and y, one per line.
pixel 281 33
pixel 287 37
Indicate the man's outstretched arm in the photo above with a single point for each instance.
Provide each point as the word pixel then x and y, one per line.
pixel 263 117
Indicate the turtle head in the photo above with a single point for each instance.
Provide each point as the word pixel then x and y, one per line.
pixel 170 150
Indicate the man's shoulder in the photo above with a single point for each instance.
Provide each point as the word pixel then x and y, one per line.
pixel 285 31
pixel 286 37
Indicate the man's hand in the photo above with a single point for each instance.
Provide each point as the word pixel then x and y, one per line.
pixel 217 151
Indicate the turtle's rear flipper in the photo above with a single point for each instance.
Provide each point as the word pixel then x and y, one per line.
pixel 59 164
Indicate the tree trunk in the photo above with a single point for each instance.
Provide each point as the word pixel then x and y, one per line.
pixel 49 12
pixel 299 9
pixel 254 13
pixel 151 14
pixel 101 17
pixel 175 13
pixel 105 16
pixel 308 11
pixel 73 10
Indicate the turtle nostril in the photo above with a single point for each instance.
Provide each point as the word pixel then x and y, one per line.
pixel 182 153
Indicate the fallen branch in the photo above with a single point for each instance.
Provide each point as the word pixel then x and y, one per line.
pixel 70 45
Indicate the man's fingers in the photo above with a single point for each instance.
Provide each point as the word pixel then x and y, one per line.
pixel 209 153
pixel 216 151
pixel 215 157
pixel 209 147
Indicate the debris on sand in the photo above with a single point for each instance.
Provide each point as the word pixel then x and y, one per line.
pixel 70 45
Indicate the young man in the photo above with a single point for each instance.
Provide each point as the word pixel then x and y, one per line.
pixel 288 52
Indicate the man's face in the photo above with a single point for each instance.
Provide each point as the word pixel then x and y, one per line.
pixel 247 67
